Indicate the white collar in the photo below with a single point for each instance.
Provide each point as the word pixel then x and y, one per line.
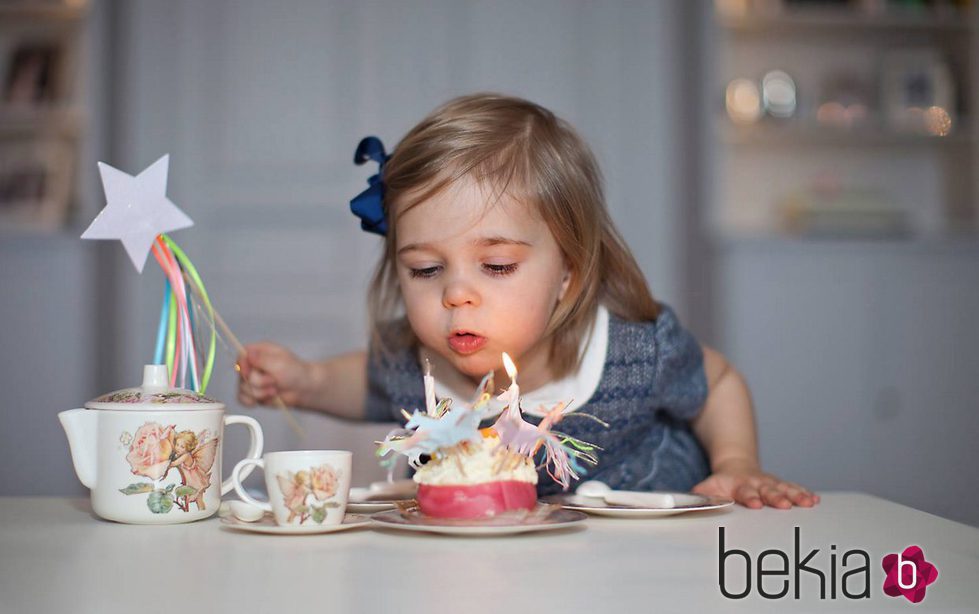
pixel 577 387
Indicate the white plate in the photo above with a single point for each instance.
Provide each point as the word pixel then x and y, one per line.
pixel 685 502
pixel 398 489
pixel 380 496
pixel 267 525
pixel 504 525
pixel 369 507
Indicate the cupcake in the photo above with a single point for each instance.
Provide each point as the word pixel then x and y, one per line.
pixel 477 481
pixel 473 473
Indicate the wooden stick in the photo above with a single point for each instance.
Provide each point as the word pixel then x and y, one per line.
pixel 219 322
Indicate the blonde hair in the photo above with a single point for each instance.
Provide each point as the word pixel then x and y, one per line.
pixel 188 438
pixel 520 149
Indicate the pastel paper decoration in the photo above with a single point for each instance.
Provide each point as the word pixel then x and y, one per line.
pixel 424 434
pixel 440 432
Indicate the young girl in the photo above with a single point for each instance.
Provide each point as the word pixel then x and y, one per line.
pixel 497 238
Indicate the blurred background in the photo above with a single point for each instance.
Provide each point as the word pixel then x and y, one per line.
pixel 797 178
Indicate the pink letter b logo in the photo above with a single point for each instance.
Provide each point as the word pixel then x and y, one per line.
pixel 900 573
pixel 913 586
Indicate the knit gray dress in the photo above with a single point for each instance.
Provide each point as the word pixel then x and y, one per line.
pixel 652 385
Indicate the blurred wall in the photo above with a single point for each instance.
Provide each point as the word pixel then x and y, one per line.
pixel 53 292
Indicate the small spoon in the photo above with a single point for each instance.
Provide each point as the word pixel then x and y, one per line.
pixel 593 488
pixel 246 512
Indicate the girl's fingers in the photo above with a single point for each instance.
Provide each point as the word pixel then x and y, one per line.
pixel 250 394
pixel 758 490
pixel 800 495
pixel 809 493
pixel 811 498
pixel 790 491
pixel 747 495
pixel 244 367
pixel 796 495
pixel 262 395
pixel 704 488
pixel 804 500
pixel 774 497
pixel 800 488
pixel 260 379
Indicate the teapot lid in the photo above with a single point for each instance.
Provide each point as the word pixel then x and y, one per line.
pixel 154 392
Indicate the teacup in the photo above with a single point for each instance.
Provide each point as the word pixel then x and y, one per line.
pixel 307 488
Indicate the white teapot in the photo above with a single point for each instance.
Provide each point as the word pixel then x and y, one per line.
pixel 148 454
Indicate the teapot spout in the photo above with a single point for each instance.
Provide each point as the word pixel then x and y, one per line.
pixel 80 426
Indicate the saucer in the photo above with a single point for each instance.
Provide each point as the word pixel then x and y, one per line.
pixel 544 518
pixel 267 525
pixel 683 503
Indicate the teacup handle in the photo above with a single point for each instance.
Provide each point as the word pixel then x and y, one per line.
pixel 254 450
pixel 246 465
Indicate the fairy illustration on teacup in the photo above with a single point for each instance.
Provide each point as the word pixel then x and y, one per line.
pixel 306 493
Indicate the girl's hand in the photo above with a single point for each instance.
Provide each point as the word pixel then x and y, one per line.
pixel 751 487
pixel 267 370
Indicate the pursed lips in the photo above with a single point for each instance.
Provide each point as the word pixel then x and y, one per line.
pixel 466 342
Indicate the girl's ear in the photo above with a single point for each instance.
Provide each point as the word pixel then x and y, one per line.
pixel 565 282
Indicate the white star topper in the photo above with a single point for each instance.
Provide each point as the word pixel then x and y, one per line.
pixel 137 209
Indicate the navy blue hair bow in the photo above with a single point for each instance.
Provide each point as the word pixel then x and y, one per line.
pixel 369 204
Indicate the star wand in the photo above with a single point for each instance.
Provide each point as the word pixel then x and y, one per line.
pixel 139 214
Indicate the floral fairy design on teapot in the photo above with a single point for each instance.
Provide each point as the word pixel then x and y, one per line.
pixel 154 450
pixel 306 493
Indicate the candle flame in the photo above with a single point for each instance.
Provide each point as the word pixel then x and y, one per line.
pixel 511 369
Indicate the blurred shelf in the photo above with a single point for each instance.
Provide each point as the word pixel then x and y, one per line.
pixel 19 12
pixel 818 45
pixel 960 241
pixel 805 134
pixel 25 121
pixel 41 126
pixel 822 21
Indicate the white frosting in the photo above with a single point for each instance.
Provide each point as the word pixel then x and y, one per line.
pixel 478 464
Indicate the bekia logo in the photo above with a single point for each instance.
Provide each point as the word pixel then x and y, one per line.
pixel 845 575
pixel 908 574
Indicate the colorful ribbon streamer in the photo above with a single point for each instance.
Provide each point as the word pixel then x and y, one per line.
pixel 176 341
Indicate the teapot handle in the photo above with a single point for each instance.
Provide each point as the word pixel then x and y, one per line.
pixel 254 449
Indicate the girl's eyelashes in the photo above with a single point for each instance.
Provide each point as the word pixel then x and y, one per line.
pixel 501 269
pixel 425 272
pixel 496 270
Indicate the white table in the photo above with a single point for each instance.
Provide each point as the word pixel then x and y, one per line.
pixel 55 556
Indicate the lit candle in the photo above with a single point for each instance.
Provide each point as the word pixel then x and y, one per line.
pixel 429 389
pixel 513 393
